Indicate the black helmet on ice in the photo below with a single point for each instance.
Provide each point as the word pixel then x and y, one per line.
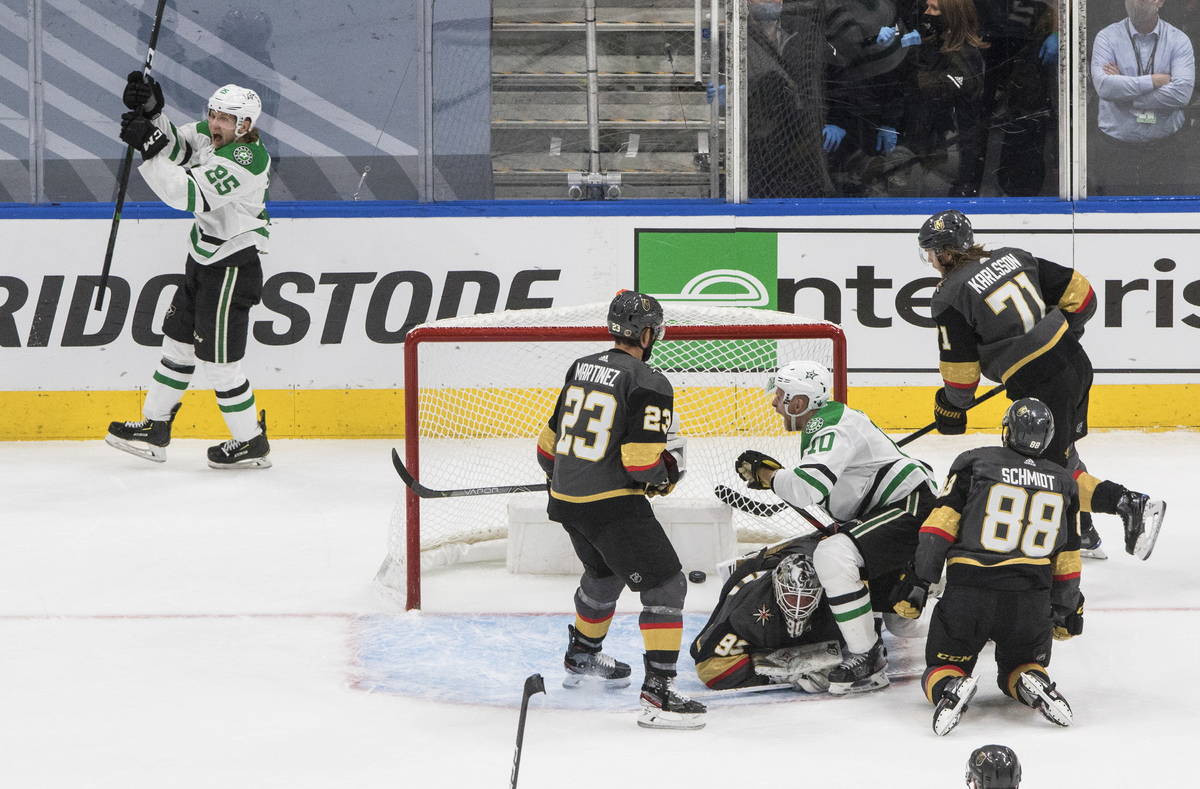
pixel 993 767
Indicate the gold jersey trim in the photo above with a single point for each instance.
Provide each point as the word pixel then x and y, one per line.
pixel 960 372
pixel 641 455
pixel 608 494
pixel 1005 563
pixel 1026 360
pixel 1076 293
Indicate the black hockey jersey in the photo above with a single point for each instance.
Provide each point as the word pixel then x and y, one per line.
pixel 1004 521
pixel 1010 313
pixel 748 621
pixel 604 442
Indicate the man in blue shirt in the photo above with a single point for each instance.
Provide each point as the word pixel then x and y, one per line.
pixel 1144 70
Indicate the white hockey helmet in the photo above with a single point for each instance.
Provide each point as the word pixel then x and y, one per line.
pixel 810 379
pixel 797 591
pixel 242 103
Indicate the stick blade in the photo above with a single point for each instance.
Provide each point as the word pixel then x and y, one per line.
pixel 534 684
pixel 409 480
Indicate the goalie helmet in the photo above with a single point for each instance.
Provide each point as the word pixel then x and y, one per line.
pixel 797 591
pixel 993 767
pixel 1028 427
pixel 242 103
pixel 946 230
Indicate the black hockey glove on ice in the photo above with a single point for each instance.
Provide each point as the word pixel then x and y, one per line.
pixel 143 94
pixel 950 419
pixel 909 594
pixel 138 132
pixel 1068 624
pixel 754 467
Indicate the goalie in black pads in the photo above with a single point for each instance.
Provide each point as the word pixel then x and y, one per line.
pixel 771 624
pixel 1004 527
pixel 608 446
pixel 1018 319
pixel 867 496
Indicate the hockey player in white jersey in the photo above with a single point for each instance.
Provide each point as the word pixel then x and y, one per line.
pixel 870 499
pixel 217 169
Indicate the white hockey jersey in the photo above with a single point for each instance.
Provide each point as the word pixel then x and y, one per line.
pixel 225 188
pixel 849 466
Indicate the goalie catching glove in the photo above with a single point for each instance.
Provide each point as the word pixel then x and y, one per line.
pixel 909 594
pixel 756 469
pixel 1068 625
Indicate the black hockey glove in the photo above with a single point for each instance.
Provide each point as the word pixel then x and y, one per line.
pixel 139 132
pixel 909 594
pixel 143 94
pixel 755 468
pixel 1068 625
pixel 673 475
pixel 950 419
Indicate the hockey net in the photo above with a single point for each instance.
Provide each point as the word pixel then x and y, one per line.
pixel 478 391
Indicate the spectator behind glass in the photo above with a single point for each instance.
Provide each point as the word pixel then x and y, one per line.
pixel 1144 70
pixel 947 88
pixel 784 104
pixel 1019 79
pixel 864 91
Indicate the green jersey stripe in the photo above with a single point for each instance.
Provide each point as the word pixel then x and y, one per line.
pixel 226 299
pixel 885 496
pixel 857 612
pixel 812 481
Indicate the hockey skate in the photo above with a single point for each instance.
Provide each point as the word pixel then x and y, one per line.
pixel 952 704
pixel 860 671
pixel 1040 694
pixel 664 708
pixel 1143 518
pixel 146 438
pixel 586 664
pixel 1089 539
pixel 234 454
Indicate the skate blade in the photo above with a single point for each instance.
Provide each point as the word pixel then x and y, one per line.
pixel 1092 553
pixel 1151 523
pixel 654 718
pixel 1056 711
pixel 945 719
pixel 574 681
pixel 139 448
pixel 876 681
pixel 242 465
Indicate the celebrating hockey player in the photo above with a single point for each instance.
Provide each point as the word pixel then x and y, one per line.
pixel 877 497
pixel 1004 527
pixel 217 169
pixel 771 625
pixel 1019 318
pixel 607 447
pixel 993 767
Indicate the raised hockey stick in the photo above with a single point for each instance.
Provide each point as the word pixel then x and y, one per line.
pixel 740 501
pixel 430 493
pixel 126 166
pixel 533 684
pixel 933 425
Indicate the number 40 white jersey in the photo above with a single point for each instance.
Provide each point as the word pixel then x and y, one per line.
pixel 849 466
pixel 226 188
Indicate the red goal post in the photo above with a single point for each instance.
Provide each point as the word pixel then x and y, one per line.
pixel 480 388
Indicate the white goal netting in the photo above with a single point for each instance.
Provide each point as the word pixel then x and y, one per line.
pixel 484 387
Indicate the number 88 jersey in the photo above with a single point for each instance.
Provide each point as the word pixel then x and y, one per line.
pixel 604 442
pixel 1004 521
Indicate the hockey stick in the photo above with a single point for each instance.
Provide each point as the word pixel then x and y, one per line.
pixel 126 166
pixel 933 425
pixel 744 503
pixel 728 692
pixel 430 493
pixel 533 684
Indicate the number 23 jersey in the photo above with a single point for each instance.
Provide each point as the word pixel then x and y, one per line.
pixel 604 442
pixel 1003 521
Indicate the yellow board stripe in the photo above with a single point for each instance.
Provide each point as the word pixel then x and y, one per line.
pixel 379 413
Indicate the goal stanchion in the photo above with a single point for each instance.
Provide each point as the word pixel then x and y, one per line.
pixel 533 684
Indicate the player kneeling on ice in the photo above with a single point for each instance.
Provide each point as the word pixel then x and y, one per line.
pixel 218 170
pixel 609 444
pixel 771 625
pixel 877 497
pixel 1004 527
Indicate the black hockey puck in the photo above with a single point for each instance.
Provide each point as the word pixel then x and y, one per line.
pixel 697 576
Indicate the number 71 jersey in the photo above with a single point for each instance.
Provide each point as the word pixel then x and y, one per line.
pixel 1000 521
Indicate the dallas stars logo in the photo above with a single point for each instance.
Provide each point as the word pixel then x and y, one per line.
pixel 243 155
pixel 811 374
pixel 762 615
pixel 814 424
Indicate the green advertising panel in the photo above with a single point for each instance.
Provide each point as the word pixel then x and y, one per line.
pixel 716 269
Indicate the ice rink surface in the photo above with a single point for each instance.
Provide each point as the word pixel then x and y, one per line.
pixel 174 626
